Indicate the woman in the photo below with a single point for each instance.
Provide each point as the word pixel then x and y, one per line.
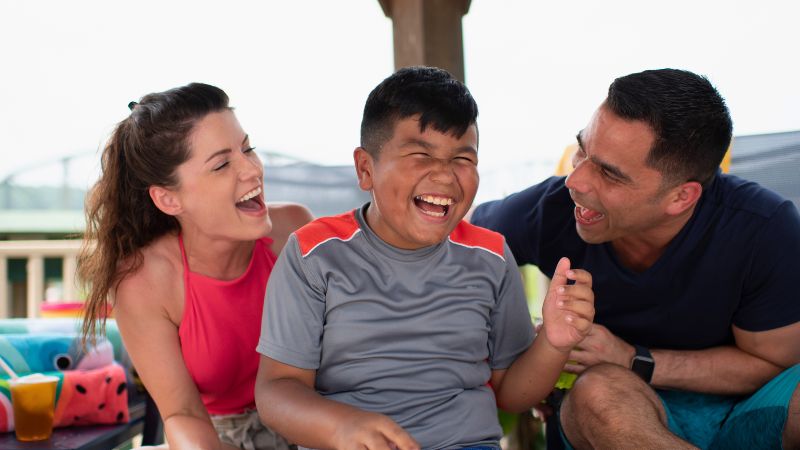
pixel 179 237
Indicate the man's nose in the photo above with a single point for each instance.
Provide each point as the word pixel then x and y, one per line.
pixel 579 180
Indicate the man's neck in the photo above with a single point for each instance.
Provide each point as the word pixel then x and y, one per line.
pixel 639 252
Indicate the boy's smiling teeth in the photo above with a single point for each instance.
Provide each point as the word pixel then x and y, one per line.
pixel 433 205
pixel 443 201
pixel 249 195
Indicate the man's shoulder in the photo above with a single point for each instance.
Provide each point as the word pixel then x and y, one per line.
pixel 342 227
pixel 738 194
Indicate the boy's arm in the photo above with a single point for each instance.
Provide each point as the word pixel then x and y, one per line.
pixel 568 311
pixel 287 403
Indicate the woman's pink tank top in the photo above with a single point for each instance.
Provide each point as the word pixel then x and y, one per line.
pixel 219 331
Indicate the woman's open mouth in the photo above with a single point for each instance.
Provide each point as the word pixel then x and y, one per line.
pixel 251 201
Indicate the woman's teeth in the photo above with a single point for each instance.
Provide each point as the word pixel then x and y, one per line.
pixel 249 195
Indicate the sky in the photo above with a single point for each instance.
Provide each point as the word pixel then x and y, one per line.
pixel 298 71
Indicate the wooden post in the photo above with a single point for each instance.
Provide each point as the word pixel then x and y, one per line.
pixel 428 33
pixel 5 295
pixel 35 284
pixel 69 285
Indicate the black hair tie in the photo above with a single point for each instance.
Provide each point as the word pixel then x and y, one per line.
pixel 132 105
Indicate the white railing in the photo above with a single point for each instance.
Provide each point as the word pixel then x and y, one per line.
pixel 35 252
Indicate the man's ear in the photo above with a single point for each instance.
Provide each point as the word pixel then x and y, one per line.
pixel 364 168
pixel 165 200
pixel 684 197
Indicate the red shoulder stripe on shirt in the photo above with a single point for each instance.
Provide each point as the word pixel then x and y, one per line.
pixel 473 236
pixel 342 227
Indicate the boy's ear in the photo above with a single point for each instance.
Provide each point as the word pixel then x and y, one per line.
pixel 684 197
pixel 364 168
pixel 165 200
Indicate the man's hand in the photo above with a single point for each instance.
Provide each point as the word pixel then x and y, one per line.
pixel 568 310
pixel 599 346
pixel 372 431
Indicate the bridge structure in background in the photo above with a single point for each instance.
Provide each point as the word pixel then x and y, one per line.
pixel 41 226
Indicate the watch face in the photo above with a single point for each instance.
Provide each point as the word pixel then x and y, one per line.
pixel 643 366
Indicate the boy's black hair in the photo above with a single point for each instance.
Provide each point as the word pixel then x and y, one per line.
pixel 691 122
pixel 437 97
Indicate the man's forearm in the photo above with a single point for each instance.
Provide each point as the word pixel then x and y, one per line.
pixel 719 370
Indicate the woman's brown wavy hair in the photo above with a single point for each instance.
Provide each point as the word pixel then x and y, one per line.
pixel 144 150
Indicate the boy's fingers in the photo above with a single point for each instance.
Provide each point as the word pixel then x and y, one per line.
pixel 580 276
pixel 580 324
pixel 578 291
pixel 578 307
pixel 560 275
pixel 400 439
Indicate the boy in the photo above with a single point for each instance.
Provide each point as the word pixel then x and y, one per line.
pixel 398 325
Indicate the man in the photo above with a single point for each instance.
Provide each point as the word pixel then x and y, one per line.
pixel 697 310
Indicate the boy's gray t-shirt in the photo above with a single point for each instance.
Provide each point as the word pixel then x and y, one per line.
pixel 413 334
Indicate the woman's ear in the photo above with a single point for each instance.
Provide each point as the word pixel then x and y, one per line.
pixel 364 167
pixel 684 197
pixel 166 200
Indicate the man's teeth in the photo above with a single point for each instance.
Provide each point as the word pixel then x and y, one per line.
pixel 589 215
pixel 249 195
pixel 442 201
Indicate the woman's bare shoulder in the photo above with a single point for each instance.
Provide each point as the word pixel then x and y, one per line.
pixel 157 284
pixel 286 219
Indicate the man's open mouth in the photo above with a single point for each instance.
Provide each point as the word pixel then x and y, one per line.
pixel 586 215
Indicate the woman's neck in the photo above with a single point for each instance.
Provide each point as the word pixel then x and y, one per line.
pixel 216 258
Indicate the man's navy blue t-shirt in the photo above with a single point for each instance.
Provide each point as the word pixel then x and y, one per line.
pixel 737 261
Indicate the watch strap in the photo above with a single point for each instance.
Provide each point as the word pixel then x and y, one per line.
pixel 643 363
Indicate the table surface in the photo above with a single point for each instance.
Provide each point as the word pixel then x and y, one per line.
pixel 96 437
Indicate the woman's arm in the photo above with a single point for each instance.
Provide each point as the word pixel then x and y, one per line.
pixel 287 403
pixel 151 338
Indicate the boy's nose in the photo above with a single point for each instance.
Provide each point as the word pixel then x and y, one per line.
pixel 442 172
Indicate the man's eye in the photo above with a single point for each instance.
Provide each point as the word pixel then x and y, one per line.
pixel 608 175
pixel 248 149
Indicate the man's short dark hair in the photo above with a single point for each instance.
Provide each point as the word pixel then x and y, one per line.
pixel 439 100
pixel 691 122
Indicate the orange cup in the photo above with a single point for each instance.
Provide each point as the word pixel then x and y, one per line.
pixel 33 398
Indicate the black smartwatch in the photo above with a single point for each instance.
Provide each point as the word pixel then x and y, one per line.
pixel 643 364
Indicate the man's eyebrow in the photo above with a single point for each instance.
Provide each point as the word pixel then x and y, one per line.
pixel 610 168
pixel 246 137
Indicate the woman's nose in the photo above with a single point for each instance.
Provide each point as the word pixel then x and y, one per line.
pixel 249 168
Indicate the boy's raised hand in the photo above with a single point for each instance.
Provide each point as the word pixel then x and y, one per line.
pixel 568 310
